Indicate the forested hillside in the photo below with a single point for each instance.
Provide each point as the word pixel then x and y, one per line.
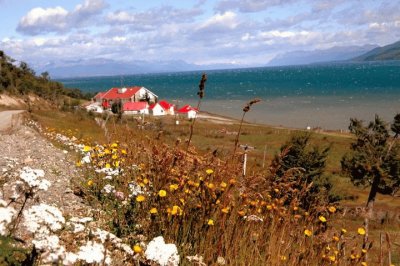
pixel 19 79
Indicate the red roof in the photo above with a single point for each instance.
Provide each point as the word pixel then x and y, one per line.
pixel 113 93
pixel 152 106
pixel 134 106
pixel 99 95
pixel 165 105
pixel 186 109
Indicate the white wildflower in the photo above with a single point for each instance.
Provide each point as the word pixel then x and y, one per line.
pixel 164 254
pixel 46 242
pixel 135 190
pixel 108 189
pixel 92 252
pixel 42 218
pixel 86 159
pixel 30 177
pixel 108 171
pixel 81 220
pixel 70 258
pixel 6 217
pixel 104 235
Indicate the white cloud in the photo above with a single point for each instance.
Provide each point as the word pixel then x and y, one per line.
pixel 249 6
pixel 44 20
pixel 39 19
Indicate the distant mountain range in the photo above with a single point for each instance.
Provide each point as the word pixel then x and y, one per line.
pixel 108 67
pixel 388 52
pixel 337 53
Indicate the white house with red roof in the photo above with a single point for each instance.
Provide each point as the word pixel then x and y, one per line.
pixel 188 110
pixel 131 108
pixel 131 94
pixel 162 108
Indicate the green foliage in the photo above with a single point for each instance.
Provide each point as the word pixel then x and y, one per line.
pixel 21 80
pixel 374 159
pixel 307 165
pixel 395 127
pixel 10 254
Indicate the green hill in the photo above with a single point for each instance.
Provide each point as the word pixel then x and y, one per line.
pixel 19 79
pixel 388 52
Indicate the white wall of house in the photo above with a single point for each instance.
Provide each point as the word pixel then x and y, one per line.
pixel 192 114
pixel 143 111
pixel 142 93
pixel 158 110
pixel 171 111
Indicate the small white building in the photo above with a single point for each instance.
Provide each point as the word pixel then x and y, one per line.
pixel 190 111
pixel 162 108
pixel 132 108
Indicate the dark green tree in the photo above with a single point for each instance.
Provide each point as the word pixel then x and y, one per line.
pixel 374 159
pixel 308 163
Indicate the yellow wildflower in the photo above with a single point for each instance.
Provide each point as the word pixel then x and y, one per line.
pixel 364 250
pixel 283 258
pixel 145 181
pixel 114 145
pixel 90 182
pixel 108 165
pixel 364 263
pixel 225 210
pixel 344 231
pixel 223 184
pixel 307 232
pixel 137 249
pixel 210 222
pixel 107 151
pixel 269 207
pixel 162 193
pixel 87 148
pixel 140 198
pixel 335 238
pixel 210 186
pixel 116 164
pixel 153 211
pixel 209 171
pixel 114 157
pixel 332 258
pixel 78 164
pixel 173 187
pixel 322 219
pixel 361 231
pixel 176 210
pixel 332 209
pixel 123 152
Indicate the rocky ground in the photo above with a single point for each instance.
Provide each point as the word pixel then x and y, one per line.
pixel 22 146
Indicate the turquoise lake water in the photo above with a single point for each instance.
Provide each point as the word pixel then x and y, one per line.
pixel 321 95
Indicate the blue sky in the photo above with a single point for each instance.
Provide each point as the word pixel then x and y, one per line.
pixel 242 32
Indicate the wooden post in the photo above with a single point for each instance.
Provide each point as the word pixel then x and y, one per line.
pixel 389 249
pixel 265 151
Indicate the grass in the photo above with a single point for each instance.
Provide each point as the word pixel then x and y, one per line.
pixel 164 164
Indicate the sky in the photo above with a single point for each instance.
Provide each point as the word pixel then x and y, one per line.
pixel 240 32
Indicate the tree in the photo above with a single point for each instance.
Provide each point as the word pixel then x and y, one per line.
pixel 374 159
pixel 310 162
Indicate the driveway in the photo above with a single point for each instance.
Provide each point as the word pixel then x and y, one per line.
pixel 6 118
